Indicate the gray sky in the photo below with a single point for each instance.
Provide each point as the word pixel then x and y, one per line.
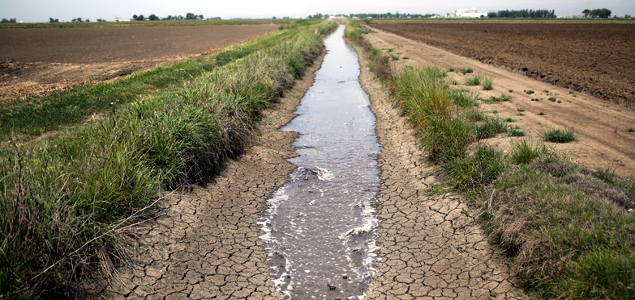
pixel 41 10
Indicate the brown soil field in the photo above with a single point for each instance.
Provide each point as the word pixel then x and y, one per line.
pixel 592 58
pixel 602 128
pixel 36 61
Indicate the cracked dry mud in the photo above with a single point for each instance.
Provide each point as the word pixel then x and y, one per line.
pixel 205 243
pixel 430 247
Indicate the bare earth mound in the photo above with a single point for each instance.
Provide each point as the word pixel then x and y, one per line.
pixel 37 61
pixel 593 58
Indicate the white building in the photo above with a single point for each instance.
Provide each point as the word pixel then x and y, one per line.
pixel 467 13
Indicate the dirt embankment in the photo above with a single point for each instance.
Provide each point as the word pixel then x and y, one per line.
pixel 38 61
pixel 593 58
pixel 602 128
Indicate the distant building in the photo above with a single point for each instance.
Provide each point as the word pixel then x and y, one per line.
pixel 466 13
pixel 122 20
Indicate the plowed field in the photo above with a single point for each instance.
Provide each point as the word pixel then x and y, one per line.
pixel 36 61
pixel 593 58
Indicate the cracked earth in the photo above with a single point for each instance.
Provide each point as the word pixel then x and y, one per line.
pixel 205 242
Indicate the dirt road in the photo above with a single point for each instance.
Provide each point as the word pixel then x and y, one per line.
pixel 604 140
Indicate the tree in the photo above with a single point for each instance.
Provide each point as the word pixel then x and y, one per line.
pixel 201 17
pixel 138 18
pixel 51 20
pixel 12 20
pixel 586 13
pixel 492 15
pixel 191 16
pixel 153 17
pixel 101 20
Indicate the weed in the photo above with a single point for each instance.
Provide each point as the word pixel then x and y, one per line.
pixel 406 57
pixel 436 190
pixel 487 83
pixel 570 92
pixel 559 101
pixel 495 111
pixel 490 128
pixel 473 80
pixel 552 99
pixel 524 151
pixel 464 98
pixel 630 129
pixel 446 139
pixel 541 113
pixel 451 70
pixel 528 92
pixel 474 115
pixel 503 97
pixel 474 171
pixel 556 135
pixel 511 91
pixel 520 109
pixel 509 120
pixel 466 71
pixel 516 132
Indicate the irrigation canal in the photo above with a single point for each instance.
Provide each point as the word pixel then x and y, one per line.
pixel 320 226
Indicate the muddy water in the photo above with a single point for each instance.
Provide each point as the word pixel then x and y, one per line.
pixel 320 226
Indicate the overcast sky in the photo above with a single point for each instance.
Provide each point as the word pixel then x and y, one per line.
pixel 41 10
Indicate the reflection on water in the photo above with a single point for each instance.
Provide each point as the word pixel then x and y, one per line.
pixel 320 226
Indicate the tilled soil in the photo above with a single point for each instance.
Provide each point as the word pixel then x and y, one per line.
pixel 38 61
pixel 593 58
pixel 602 128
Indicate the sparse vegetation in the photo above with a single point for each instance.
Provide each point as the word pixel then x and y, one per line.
pixel 564 229
pixel 473 80
pixel 558 135
pixel 528 92
pixel 487 83
pixel 66 196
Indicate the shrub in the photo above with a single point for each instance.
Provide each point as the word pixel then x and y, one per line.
pixel 556 135
pixel 529 92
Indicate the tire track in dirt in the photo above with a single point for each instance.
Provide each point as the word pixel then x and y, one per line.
pixel 431 247
pixel 206 243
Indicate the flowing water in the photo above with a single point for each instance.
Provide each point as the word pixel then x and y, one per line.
pixel 320 226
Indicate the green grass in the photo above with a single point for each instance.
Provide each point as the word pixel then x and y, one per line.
pixel 516 132
pixel 487 83
pixel 630 129
pixel 464 98
pixel 503 97
pixel 24 119
pixel 558 135
pixel 64 190
pixel 490 127
pixel 473 80
pixel 565 230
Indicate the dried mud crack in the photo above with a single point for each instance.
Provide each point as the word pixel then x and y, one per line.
pixel 431 247
pixel 206 243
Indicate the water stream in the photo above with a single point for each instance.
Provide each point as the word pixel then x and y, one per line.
pixel 320 226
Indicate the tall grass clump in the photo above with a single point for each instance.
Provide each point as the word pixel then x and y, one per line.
pixel 487 83
pixel 558 135
pixel 473 80
pixel 423 94
pixel 67 198
pixel 472 172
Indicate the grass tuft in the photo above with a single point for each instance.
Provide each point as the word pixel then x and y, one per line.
pixel 487 83
pixel 473 80
pixel 557 135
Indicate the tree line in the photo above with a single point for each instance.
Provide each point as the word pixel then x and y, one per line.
pixel 12 20
pixel 602 13
pixel 523 13
pixel 392 16
pixel 153 17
